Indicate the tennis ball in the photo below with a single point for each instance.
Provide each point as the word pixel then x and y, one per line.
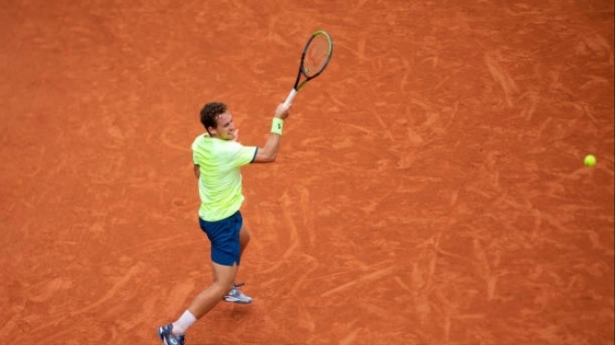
pixel 590 160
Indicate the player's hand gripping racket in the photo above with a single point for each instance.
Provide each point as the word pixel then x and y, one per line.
pixel 314 59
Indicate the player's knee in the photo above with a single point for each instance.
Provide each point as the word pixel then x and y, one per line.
pixel 221 288
pixel 224 276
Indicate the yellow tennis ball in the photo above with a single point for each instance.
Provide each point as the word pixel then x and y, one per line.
pixel 590 160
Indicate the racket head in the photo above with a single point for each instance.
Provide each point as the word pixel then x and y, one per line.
pixel 316 54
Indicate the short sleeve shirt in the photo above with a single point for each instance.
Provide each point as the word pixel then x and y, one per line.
pixel 220 187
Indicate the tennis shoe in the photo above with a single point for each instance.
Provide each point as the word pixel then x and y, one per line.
pixel 236 296
pixel 168 338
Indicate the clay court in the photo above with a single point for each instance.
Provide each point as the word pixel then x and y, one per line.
pixel 430 188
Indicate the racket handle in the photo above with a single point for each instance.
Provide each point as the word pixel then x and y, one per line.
pixel 290 97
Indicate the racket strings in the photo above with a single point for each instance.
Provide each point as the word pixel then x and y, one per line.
pixel 316 55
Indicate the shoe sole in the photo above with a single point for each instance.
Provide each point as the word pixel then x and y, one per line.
pixel 235 300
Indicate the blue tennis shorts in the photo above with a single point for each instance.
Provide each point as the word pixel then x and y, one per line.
pixel 224 237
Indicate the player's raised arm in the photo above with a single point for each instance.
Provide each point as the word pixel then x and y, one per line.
pixel 268 153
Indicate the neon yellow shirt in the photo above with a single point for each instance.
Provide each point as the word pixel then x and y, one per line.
pixel 220 179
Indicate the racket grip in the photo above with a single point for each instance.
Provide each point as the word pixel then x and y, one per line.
pixel 290 97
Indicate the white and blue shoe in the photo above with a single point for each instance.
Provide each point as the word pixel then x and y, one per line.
pixel 236 296
pixel 168 338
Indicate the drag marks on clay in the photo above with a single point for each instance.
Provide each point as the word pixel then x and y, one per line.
pixel 127 278
pixel 419 291
pixel 530 101
pixel 158 246
pixel 170 138
pixel 125 284
pixel 309 265
pixel 290 227
pixel 350 338
pixel 501 75
pixel 45 290
pixel 360 279
pixel 287 232
pixel 486 268
pixel 596 44
pixel 306 211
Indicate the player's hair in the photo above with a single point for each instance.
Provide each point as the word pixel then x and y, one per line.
pixel 210 113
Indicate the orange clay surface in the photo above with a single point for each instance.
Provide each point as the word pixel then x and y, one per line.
pixel 430 188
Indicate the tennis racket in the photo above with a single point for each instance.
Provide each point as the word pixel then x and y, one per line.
pixel 315 57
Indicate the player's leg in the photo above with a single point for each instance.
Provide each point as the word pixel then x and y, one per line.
pixel 208 298
pixel 244 239
pixel 235 295
pixel 201 304
pixel 225 255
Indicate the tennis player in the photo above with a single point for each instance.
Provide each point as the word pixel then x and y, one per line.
pixel 218 158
